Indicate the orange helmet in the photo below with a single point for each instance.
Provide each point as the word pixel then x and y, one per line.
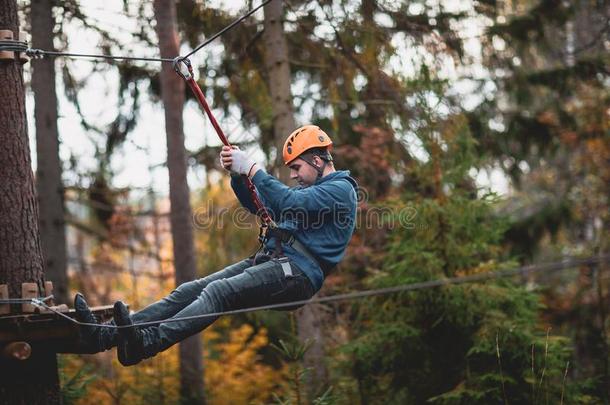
pixel 302 139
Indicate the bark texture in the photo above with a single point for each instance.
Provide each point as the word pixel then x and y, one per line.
pixel 309 318
pixel 172 91
pixel 278 70
pixel 34 381
pixel 48 171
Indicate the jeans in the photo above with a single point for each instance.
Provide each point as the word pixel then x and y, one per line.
pixel 241 285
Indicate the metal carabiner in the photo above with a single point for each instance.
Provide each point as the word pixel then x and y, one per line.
pixel 183 67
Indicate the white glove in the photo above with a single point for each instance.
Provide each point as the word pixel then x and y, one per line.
pixel 242 163
pixel 235 160
pixel 225 161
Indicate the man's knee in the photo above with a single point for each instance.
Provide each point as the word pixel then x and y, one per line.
pixel 219 292
pixel 190 289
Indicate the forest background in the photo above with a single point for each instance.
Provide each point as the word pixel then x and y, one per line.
pixel 478 131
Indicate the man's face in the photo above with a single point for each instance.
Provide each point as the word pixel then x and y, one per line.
pixel 303 173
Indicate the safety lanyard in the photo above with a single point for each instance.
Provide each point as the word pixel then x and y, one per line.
pixel 184 69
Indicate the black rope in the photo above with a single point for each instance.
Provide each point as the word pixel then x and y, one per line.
pixel 228 27
pixel 549 267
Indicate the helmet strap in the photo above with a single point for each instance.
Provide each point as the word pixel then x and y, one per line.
pixel 309 161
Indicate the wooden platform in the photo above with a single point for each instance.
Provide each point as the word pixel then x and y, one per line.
pixel 47 329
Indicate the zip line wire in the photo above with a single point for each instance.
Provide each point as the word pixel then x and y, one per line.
pixel 38 53
pixel 227 28
pixel 21 46
pixel 569 263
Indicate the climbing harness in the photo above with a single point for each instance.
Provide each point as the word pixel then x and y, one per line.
pixel 288 239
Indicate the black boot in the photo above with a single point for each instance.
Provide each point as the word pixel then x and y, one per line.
pixel 135 344
pixel 92 339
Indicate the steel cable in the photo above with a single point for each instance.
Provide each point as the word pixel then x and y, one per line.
pixel 20 46
pixel 524 270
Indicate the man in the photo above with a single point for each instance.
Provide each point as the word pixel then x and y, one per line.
pixel 315 221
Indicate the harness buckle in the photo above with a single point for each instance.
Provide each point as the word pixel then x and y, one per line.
pixel 286 267
pixel 262 233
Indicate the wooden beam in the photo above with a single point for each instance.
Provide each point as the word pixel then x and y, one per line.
pixel 6 55
pixel 28 290
pixel 47 329
pixel 4 308
pixel 23 58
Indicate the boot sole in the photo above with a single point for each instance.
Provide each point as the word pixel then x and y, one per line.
pixel 121 318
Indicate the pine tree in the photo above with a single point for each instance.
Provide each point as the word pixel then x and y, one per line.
pixel 475 343
pixel 35 380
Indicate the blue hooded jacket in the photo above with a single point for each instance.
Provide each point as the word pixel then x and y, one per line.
pixel 322 216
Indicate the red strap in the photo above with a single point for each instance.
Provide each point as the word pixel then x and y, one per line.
pixel 188 77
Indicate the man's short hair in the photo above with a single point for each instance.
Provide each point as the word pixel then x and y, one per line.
pixel 322 152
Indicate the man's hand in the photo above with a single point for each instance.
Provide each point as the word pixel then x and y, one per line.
pixel 235 160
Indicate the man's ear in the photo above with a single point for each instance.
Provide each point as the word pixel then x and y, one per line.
pixel 318 161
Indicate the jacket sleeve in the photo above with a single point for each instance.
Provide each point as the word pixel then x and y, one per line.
pixel 327 197
pixel 242 193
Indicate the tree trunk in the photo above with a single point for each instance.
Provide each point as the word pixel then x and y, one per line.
pixel 172 91
pixel 278 71
pixel 33 381
pixel 48 173
pixel 375 114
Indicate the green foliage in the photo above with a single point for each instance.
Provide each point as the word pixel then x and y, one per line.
pixel 459 344
pixel 293 353
pixel 441 344
pixel 224 232
pixel 74 384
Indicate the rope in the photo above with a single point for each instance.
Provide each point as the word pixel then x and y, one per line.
pixel 524 270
